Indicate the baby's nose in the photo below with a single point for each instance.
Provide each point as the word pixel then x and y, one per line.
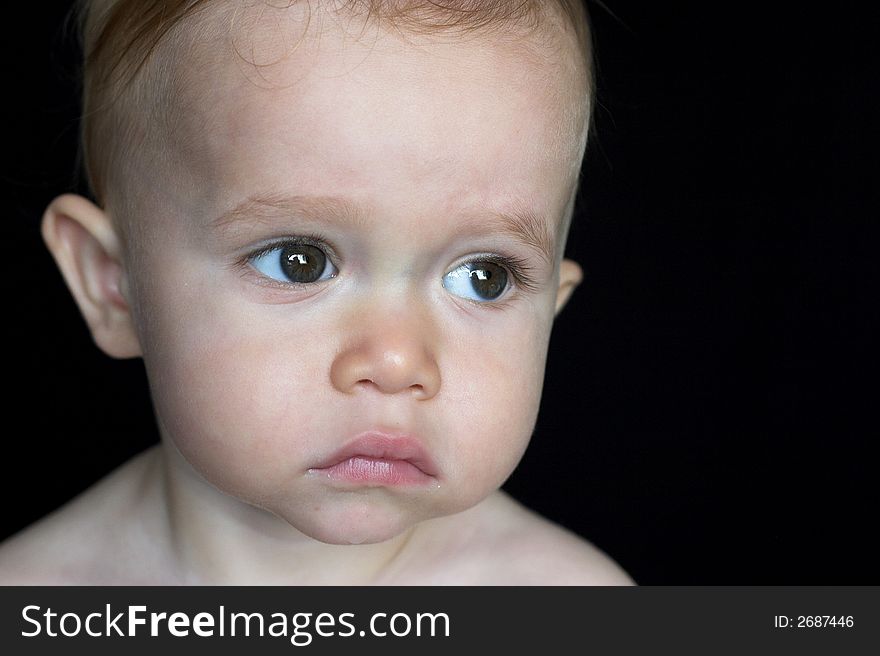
pixel 392 356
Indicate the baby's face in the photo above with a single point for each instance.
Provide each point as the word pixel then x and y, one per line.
pixel 363 242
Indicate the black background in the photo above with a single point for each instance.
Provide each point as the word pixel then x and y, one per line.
pixel 709 414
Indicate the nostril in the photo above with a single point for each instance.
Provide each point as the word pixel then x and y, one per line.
pixel 404 370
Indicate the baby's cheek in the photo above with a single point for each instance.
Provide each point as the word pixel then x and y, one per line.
pixel 236 410
pixel 497 405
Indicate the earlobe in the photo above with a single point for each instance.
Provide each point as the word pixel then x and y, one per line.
pixel 87 249
pixel 570 276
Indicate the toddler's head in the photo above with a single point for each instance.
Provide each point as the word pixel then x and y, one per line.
pixel 334 232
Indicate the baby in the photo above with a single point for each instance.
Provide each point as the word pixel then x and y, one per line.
pixel 334 233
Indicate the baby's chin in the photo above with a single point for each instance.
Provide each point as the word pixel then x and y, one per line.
pixel 355 535
pixel 359 530
pixel 361 522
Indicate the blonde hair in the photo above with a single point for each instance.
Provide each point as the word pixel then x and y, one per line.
pixel 121 74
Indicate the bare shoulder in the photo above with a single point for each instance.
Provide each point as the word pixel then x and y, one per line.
pixel 73 545
pixel 517 546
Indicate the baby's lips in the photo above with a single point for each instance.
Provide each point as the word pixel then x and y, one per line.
pixel 382 445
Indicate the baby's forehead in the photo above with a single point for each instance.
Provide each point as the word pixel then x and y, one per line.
pixel 297 53
pixel 263 98
pixel 264 47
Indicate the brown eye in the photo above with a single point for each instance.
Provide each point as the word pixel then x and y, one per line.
pixel 478 281
pixel 302 262
pixel 293 262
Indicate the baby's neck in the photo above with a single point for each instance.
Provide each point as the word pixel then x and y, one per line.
pixel 215 539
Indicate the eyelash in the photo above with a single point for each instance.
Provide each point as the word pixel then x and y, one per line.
pixel 315 240
pixel 517 267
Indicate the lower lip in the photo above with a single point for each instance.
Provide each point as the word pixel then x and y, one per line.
pixel 375 472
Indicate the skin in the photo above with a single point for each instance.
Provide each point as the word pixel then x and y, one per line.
pixel 255 382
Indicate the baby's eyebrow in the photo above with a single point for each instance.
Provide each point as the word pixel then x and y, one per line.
pixel 266 208
pixel 522 224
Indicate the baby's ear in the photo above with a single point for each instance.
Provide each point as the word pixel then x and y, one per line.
pixel 570 276
pixel 88 251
